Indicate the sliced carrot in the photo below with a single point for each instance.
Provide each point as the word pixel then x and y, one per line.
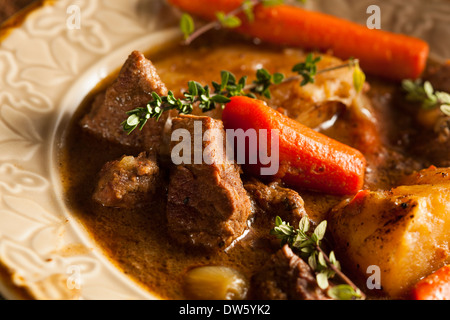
pixel 307 159
pixel 381 53
pixel 434 287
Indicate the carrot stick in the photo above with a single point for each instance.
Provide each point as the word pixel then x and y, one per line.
pixel 381 53
pixel 307 159
pixel 434 287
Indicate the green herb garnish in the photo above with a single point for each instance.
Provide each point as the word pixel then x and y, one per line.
pixel 225 20
pixel 424 94
pixel 308 244
pixel 187 25
pixel 228 87
pixel 196 93
pixel 228 21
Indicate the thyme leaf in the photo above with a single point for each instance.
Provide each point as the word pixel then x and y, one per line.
pixel 359 78
pixel 264 80
pixel 228 21
pixel 187 25
pixel 343 292
pixel 248 9
pixel 445 108
pixel 307 69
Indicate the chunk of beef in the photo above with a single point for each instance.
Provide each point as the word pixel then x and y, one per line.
pixel 132 89
pixel 286 277
pixel 207 203
pixel 271 200
pixel 128 182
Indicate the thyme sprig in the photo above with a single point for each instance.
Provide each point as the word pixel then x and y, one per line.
pixel 307 69
pixel 308 244
pixel 196 93
pixel 225 20
pixel 208 99
pixel 423 93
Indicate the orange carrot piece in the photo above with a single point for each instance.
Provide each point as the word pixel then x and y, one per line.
pixel 434 287
pixel 381 53
pixel 307 159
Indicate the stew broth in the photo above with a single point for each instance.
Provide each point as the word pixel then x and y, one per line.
pixel 137 241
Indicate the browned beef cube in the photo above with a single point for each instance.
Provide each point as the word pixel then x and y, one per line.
pixel 286 277
pixel 132 89
pixel 273 200
pixel 128 182
pixel 207 203
pixel 439 76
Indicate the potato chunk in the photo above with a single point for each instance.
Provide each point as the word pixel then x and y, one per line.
pixel 403 231
pixel 431 175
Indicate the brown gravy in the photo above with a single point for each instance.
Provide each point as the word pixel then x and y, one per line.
pixel 136 240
